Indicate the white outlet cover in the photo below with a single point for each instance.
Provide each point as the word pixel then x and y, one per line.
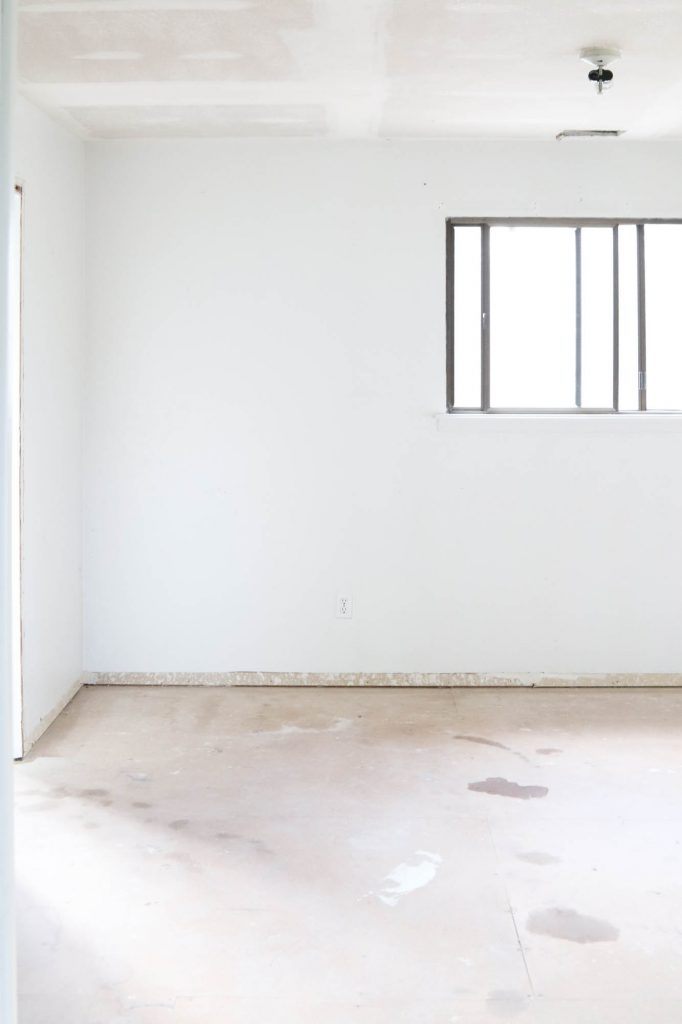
pixel 344 607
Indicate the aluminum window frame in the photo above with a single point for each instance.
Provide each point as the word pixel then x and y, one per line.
pixel 485 224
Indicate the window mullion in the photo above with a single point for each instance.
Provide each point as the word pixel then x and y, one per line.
pixel 578 320
pixel 485 317
pixel 616 321
pixel 641 318
pixel 450 315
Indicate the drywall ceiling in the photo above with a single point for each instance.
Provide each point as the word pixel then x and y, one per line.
pixel 351 68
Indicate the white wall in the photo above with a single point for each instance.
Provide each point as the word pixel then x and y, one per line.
pixel 8 988
pixel 266 362
pixel 50 165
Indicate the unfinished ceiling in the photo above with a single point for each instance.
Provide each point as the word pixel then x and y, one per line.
pixel 351 68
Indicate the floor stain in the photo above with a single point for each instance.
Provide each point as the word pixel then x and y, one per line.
pixel 184 860
pixel 507 1004
pixel 503 787
pixel 96 796
pixel 142 804
pixel 178 824
pixel 256 844
pixel 482 740
pixel 560 923
pixel 489 743
pixel 548 750
pixel 537 857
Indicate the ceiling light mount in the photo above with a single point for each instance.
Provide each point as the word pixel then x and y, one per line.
pixel 600 57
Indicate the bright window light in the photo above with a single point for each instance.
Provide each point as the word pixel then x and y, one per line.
pixel 564 317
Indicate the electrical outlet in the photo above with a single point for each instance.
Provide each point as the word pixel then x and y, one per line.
pixel 344 607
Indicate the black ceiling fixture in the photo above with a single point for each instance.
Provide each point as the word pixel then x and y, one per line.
pixel 600 57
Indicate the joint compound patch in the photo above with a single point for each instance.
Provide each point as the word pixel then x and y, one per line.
pixel 406 878
pixel 338 725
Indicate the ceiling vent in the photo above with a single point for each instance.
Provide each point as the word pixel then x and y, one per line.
pixel 589 133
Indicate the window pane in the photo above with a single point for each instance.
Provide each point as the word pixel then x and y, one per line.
pixel 596 245
pixel 663 263
pixel 628 398
pixel 532 317
pixel 468 317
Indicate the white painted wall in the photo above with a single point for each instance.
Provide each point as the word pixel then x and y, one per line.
pixel 8 989
pixel 50 165
pixel 266 362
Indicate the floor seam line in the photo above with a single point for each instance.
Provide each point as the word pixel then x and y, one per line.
pixel 521 949
pixel 511 911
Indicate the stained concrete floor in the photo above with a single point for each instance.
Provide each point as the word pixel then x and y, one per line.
pixel 216 856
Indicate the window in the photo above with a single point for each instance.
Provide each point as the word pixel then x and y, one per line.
pixel 563 316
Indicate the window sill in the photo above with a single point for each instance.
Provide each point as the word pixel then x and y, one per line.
pixel 561 423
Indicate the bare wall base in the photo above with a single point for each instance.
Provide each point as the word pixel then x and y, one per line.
pixel 45 722
pixel 379 679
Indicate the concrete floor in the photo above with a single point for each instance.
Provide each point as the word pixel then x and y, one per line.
pixel 278 856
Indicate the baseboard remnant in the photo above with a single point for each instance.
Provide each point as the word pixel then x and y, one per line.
pixel 390 679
